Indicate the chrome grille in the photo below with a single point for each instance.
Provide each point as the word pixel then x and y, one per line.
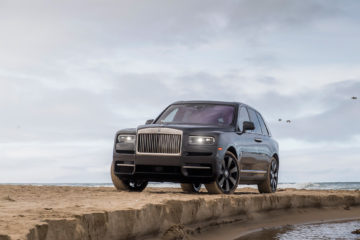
pixel 159 141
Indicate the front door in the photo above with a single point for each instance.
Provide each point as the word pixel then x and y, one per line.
pixel 246 147
pixel 259 166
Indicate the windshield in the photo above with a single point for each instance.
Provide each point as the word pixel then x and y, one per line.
pixel 207 114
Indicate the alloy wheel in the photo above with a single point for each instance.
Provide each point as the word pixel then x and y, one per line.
pixel 229 174
pixel 274 175
pixel 197 187
pixel 136 185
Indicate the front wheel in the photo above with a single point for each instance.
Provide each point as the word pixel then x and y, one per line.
pixel 191 187
pixel 271 182
pixel 127 185
pixel 228 178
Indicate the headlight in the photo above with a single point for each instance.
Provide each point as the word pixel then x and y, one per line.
pixel 201 140
pixel 126 138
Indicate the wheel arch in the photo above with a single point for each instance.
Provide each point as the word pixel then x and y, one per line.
pixel 276 156
pixel 233 151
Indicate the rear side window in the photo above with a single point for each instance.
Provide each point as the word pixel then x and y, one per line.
pixel 255 120
pixel 243 116
pixel 262 124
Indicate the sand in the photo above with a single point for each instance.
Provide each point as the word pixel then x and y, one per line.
pixel 77 213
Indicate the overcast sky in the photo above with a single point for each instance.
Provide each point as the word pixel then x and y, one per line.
pixel 72 73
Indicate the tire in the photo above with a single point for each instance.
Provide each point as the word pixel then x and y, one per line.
pixel 127 185
pixel 271 182
pixel 191 187
pixel 229 177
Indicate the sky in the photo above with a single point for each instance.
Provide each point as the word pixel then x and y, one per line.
pixel 72 73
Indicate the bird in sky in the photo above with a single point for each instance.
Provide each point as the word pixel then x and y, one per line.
pixel 354 98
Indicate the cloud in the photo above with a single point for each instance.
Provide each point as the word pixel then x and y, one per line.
pixel 60 162
pixel 76 30
pixel 329 113
pixel 73 73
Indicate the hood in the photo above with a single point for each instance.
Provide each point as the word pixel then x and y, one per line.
pixel 192 127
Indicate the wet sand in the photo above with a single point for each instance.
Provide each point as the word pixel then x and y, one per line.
pixel 62 213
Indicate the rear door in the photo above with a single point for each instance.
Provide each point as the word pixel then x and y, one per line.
pixel 265 149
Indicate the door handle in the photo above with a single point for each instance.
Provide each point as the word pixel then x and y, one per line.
pixel 258 140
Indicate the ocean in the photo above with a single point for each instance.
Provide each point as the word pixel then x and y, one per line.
pixel 309 185
pixel 334 230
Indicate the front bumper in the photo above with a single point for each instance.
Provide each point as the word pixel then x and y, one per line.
pixel 194 165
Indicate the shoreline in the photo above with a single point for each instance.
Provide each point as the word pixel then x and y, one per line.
pixel 279 219
pixel 341 220
pixel 61 213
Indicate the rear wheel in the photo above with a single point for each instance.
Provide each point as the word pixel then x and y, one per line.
pixel 191 187
pixel 127 185
pixel 271 182
pixel 229 176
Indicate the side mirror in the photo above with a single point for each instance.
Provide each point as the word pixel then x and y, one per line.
pixel 150 121
pixel 248 126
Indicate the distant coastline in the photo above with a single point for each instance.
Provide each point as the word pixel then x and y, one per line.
pixel 300 185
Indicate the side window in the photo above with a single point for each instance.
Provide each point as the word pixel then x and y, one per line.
pixel 255 120
pixel 262 124
pixel 243 116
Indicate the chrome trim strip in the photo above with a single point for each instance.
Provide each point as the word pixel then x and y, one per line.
pixel 253 171
pixel 161 131
pixel 158 154
pixel 125 165
pixel 197 167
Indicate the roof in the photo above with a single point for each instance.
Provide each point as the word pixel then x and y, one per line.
pixel 213 102
pixel 206 101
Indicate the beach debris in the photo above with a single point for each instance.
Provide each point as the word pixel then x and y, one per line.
pixel 288 121
pixel 354 98
pixel 8 198
pixel 280 120
pixel 48 209
pixel 347 208
pixel 4 237
pixel 357 231
pixel 175 232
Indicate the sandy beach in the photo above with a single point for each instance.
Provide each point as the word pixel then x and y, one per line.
pixel 62 213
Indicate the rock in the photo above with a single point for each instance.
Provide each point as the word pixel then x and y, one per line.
pixel 357 231
pixel 175 232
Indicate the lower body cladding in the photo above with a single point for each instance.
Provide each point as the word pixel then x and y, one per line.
pixel 200 168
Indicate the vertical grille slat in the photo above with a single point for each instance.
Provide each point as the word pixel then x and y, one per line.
pixel 159 143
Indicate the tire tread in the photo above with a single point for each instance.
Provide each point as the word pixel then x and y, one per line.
pixel 188 188
pixel 265 186
pixel 118 183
